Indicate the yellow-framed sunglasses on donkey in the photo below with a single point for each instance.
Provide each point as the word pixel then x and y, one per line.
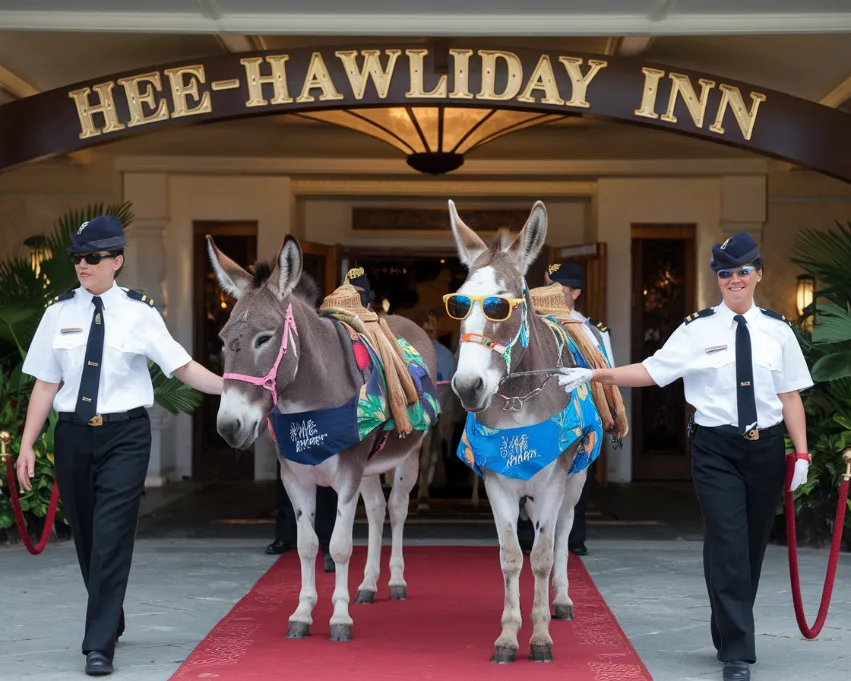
pixel 495 308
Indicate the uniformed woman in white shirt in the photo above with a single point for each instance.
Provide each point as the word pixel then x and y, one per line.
pixel 742 369
pixel 89 358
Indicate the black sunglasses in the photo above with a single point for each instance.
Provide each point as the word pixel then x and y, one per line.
pixel 92 258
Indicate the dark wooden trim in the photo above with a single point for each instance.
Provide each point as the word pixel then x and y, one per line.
pixel 785 127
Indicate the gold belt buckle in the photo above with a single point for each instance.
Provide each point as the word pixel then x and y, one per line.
pixel 96 420
pixel 752 434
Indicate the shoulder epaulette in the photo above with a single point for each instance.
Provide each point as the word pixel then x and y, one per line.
pixel 141 297
pixel 706 312
pixel 62 296
pixel 775 315
pixel 596 322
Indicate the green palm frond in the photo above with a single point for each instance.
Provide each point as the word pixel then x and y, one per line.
pixel 825 256
pixel 171 394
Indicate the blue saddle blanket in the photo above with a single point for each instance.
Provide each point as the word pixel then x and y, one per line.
pixel 311 437
pixel 521 452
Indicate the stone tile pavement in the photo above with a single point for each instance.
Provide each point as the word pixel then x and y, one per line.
pixel 180 588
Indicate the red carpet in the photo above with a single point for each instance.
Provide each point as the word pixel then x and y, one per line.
pixel 444 631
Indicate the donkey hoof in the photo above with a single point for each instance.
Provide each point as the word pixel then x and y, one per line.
pixel 364 597
pixel 398 593
pixel 503 655
pixel 563 612
pixel 298 630
pixel 541 652
pixel 422 508
pixel 341 632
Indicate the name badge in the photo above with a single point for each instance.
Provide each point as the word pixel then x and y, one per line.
pixel 715 348
pixel 72 330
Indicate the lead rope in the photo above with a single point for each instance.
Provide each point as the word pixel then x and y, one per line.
pixel 5 439
pixel 791 539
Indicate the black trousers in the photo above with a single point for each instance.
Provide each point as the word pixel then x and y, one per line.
pixel 101 474
pixel 739 484
pixel 579 529
pixel 326 514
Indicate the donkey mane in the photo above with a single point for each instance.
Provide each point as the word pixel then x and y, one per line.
pixel 306 288
pixel 498 244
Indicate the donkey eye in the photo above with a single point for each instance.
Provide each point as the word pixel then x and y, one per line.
pixel 262 340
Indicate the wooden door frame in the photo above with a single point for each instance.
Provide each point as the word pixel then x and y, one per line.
pixel 214 228
pixel 688 233
pixel 333 254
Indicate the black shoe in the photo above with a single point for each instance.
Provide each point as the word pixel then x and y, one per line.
pixel 737 670
pixel 329 563
pixel 579 550
pixel 278 547
pixel 98 664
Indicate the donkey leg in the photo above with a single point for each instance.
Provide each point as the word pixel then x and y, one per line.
pixel 475 497
pixel 303 497
pixel 548 501
pixel 505 505
pixel 562 604
pixel 376 509
pixel 341 551
pixel 404 478
pixel 426 457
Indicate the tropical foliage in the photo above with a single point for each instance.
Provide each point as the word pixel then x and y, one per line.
pixel 26 286
pixel 825 256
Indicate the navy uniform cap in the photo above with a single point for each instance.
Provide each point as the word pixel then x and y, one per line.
pixel 103 233
pixel 357 277
pixel 740 249
pixel 567 274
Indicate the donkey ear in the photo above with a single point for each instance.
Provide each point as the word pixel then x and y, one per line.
pixel 470 245
pixel 528 244
pixel 288 269
pixel 232 278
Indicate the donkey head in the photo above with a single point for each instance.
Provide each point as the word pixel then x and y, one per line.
pixel 261 345
pixel 495 301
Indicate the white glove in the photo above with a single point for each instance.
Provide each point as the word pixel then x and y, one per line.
pixel 571 378
pixel 799 477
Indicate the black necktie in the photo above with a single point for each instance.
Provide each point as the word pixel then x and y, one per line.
pixel 87 398
pixel 744 377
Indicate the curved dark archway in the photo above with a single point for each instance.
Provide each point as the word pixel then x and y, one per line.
pixel 276 82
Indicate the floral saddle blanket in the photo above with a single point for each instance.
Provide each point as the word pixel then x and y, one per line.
pixel 522 452
pixel 311 437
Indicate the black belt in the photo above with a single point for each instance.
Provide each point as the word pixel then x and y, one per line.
pixel 732 431
pixel 100 419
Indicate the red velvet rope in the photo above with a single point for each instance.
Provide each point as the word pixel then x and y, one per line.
pixel 19 516
pixel 791 539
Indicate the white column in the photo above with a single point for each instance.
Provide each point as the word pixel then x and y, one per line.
pixel 146 271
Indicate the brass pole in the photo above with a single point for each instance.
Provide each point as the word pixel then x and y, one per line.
pixel 5 439
pixel 846 457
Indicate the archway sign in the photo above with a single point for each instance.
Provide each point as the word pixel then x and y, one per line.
pixel 277 82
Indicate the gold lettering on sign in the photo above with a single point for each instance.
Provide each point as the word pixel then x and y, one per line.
pixel 580 83
pixel 371 69
pixel 136 98
pixel 278 79
pixel 650 92
pixel 106 107
pixel 461 58
pixel 732 96
pixel 318 77
pixel 543 79
pixel 182 89
pixel 515 75
pixel 681 85
pixel 416 60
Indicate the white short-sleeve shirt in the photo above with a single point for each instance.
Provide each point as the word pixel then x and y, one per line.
pixel 703 353
pixel 134 332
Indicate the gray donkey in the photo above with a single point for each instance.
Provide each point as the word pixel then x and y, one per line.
pixel 504 384
pixel 275 316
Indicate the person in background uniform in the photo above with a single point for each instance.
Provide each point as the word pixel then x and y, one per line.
pixel 357 278
pixel 89 358
pixel 742 370
pixel 572 281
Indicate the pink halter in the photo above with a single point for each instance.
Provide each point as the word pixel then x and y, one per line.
pixel 269 381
